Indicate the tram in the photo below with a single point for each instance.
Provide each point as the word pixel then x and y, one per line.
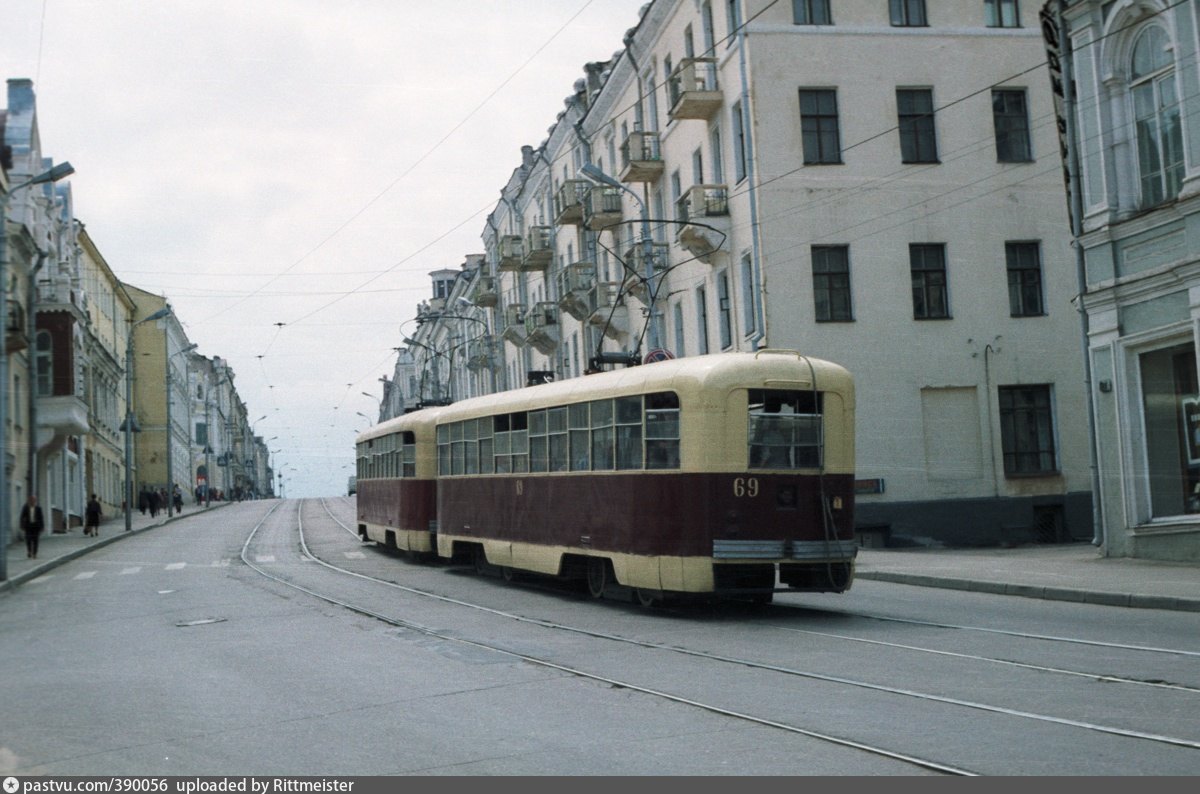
pixel 719 475
pixel 397 482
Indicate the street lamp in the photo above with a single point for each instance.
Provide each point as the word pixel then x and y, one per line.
pixel 129 424
pixel 53 175
pixel 596 175
pixel 170 477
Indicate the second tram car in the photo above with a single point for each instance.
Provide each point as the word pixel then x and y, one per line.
pixel 727 474
pixel 397 482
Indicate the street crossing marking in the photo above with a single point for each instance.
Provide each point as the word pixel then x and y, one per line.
pixel 221 563
pixel 42 578
pixel 85 575
pixel 265 558
pixel 354 555
pixel 175 566
pixel 135 569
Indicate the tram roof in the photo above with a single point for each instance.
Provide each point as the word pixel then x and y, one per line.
pixel 782 368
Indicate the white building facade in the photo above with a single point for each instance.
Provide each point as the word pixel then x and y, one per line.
pixel 1137 141
pixel 748 175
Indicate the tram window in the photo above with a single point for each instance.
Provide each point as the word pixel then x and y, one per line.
pixel 662 430
pixel 557 427
pixel 538 454
pixel 785 429
pixel 458 457
pixel 487 462
pixel 580 443
pixel 444 459
pixel 629 446
pixel 471 444
pixel 629 410
pixel 409 465
pixel 520 442
pixel 602 435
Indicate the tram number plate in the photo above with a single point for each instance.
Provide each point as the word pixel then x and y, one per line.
pixel 745 487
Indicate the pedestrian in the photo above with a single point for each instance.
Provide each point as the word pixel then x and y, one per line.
pixel 152 498
pixel 143 500
pixel 92 513
pixel 32 524
pixel 178 499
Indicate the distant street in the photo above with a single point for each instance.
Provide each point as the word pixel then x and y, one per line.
pixel 189 650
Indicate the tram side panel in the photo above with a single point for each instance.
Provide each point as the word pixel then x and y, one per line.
pixel 398 513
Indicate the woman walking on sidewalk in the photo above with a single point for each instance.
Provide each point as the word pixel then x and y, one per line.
pixel 91 524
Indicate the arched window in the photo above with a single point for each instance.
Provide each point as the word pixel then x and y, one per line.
pixel 1156 117
pixel 43 358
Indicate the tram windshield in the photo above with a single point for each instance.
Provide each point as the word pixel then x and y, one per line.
pixel 785 429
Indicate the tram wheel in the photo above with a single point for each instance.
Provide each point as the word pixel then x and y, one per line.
pixel 646 598
pixel 762 598
pixel 597 576
pixel 480 559
pixel 509 574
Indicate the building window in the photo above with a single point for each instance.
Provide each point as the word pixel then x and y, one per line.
pixel 1002 13
pixel 831 283
pixel 928 264
pixel 748 313
pixel 819 127
pixel 1157 118
pixel 1024 263
pixel 918 142
pixel 718 166
pixel 1171 405
pixel 908 13
pixel 1027 430
pixel 810 12
pixel 724 311
pixel 739 141
pixel 734 9
pixel 1010 115
pixel 43 364
pixel 701 321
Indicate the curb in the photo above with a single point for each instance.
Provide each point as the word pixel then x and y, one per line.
pixel 1132 600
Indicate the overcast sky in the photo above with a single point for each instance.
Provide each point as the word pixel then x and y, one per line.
pixel 304 162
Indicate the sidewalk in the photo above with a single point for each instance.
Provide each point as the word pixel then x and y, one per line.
pixel 1059 572
pixel 55 549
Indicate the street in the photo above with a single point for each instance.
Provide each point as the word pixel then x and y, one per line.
pixel 190 650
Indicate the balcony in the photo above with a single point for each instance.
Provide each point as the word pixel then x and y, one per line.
pixel 704 213
pixel 539 248
pixel 512 253
pixel 693 89
pixel 574 282
pixel 607 311
pixel 483 292
pixel 541 327
pixel 65 415
pixel 637 283
pixel 15 337
pixel 481 353
pixel 641 158
pixel 514 324
pixel 602 208
pixel 569 202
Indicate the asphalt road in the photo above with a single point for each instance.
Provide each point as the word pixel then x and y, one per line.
pixel 188 650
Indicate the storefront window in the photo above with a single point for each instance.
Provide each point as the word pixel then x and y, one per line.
pixel 1172 409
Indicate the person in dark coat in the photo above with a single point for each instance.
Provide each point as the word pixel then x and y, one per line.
pixel 32 524
pixel 92 513
pixel 154 503
pixel 143 500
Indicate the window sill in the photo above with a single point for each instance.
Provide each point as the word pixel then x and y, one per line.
pixel 933 319
pixel 1032 475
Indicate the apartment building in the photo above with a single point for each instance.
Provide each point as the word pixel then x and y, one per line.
pixel 752 174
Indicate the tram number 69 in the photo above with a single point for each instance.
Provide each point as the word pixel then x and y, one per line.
pixel 745 487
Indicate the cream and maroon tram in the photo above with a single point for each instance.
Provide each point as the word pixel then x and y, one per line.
pixel 718 474
pixel 397 482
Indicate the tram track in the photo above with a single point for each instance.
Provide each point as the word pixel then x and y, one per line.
pixel 1125 733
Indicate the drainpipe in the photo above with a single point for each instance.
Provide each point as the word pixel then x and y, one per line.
pixel 1068 77
pixel 31 474
pixel 760 329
